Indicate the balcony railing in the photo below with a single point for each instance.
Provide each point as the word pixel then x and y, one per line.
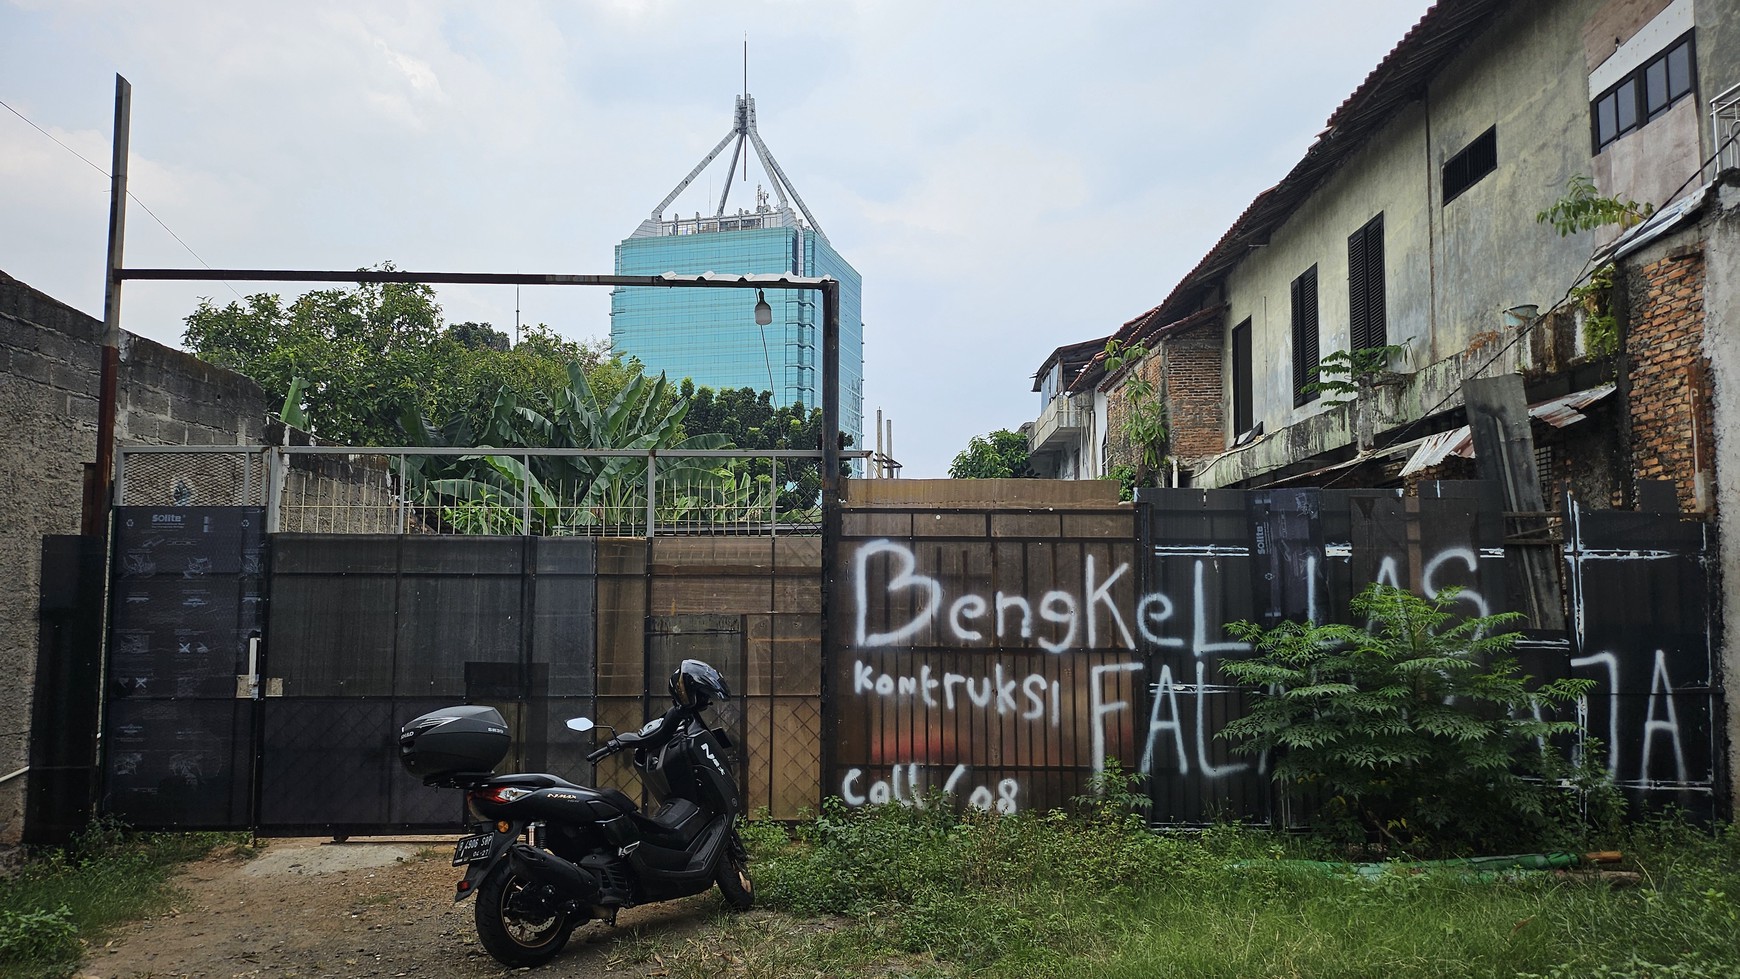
pixel 1725 128
pixel 1063 421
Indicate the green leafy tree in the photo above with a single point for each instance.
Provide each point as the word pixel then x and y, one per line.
pixel 479 336
pixel 1340 374
pixel 1421 727
pixel 364 353
pixel 1583 208
pixel 1000 455
pixel 749 419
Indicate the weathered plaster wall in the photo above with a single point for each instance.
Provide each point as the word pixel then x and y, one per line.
pixel 1721 339
pixel 1450 269
pixel 49 360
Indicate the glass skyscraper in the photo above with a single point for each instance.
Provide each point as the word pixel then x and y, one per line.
pixel 710 335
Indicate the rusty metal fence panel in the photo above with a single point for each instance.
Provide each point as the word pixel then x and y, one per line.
pixel 987 657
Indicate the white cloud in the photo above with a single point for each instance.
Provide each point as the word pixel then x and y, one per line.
pixel 1007 177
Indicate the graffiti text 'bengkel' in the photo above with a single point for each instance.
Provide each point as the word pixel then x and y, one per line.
pixel 977 619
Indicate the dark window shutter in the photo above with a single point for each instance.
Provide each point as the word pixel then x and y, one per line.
pixel 1357 307
pixel 1367 326
pixel 1377 321
pixel 1243 402
pixel 1305 354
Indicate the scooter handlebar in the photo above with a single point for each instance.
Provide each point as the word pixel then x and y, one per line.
pixel 611 747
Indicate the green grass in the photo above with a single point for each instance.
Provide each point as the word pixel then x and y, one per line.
pixel 895 892
pixel 62 899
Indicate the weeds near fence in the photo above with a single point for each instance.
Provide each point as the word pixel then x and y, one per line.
pixel 61 899
pixel 895 891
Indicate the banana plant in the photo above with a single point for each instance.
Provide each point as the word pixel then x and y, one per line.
pixel 562 493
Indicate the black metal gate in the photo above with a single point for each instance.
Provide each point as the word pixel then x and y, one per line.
pixel 1219 556
pixel 296 733
pixel 186 611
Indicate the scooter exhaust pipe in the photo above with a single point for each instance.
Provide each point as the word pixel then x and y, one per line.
pixel 544 867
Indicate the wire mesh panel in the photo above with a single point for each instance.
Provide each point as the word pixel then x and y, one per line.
pixel 191 477
pixel 178 726
pixel 348 494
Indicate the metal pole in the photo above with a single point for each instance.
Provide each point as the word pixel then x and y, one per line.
pixel 651 484
pixel 831 501
pixel 97 498
pixel 274 488
pixel 526 496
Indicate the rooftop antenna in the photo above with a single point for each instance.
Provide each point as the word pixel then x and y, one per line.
pixel 742 131
pixel 745 98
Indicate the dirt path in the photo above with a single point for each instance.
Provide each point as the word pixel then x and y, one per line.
pixel 310 909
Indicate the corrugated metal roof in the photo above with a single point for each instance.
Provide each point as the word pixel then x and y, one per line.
pixel 1557 412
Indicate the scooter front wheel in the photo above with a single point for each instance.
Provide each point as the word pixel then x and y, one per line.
pixel 734 883
pixel 518 922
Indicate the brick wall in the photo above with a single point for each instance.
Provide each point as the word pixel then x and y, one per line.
pixel 1119 452
pixel 1670 401
pixel 1195 394
pixel 49 361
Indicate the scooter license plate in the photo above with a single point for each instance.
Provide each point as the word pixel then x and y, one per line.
pixel 472 849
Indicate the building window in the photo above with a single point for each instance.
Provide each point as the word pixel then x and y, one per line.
pixel 1643 94
pixel 1365 286
pixel 1243 406
pixel 1476 160
pixel 1304 336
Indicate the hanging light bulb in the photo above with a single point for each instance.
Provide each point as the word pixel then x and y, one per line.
pixel 763 312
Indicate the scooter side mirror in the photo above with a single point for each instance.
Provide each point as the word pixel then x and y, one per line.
pixel 580 724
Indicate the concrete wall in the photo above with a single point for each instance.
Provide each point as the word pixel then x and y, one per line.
pixel 50 355
pixel 1721 343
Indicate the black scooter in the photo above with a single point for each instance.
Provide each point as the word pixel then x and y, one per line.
pixel 552 855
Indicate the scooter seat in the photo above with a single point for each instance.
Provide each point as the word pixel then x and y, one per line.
pixel 675 825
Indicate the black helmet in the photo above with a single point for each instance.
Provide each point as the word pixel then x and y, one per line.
pixel 695 684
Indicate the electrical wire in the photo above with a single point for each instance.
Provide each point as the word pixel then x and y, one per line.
pixel 767 358
pixel 130 195
pixel 1589 269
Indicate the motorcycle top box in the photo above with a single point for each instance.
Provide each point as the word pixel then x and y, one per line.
pixel 453 741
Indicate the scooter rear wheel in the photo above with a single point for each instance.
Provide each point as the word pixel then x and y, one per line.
pixel 516 925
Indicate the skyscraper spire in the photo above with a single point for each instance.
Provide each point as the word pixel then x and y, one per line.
pixel 742 131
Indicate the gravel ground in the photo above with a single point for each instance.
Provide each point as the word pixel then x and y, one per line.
pixel 309 909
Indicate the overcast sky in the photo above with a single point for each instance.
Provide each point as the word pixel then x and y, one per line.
pixel 1007 177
